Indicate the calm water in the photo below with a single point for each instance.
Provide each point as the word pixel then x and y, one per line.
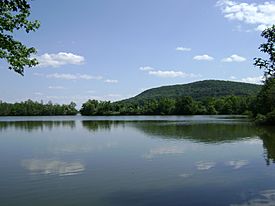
pixel 172 160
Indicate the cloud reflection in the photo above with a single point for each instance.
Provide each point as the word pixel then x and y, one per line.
pixel 266 198
pixel 205 165
pixel 169 150
pixel 237 164
pixel 54 167
pixel 185 175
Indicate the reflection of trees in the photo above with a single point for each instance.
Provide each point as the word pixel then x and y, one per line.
pixel 101 125
pixel 267 134
pixel 207 133
pixel 36 125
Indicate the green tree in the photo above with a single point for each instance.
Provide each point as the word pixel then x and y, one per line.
pixel 13 17
pixel 89 107
pixel 186 105
pixel 269 48
pixel 266 97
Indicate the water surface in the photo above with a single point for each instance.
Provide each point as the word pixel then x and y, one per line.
pixel 136 160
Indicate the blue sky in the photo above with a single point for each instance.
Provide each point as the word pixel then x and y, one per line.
pixel 111 50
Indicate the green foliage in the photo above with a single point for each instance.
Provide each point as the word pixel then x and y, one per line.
pixel 260 119
pixel 269 48
pixel 169 106
pixel 265 104
pixel 31 108
pixel 200 90
pixel 95 107
pixel 270 117
pixel 266 97
pixel 186 105
pixel 206 97
pixel 14 16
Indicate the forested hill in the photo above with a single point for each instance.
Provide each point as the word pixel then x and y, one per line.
pixel 200 90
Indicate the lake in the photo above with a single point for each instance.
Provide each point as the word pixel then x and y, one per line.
pixel 136 160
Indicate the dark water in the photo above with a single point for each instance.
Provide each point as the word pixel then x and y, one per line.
pixel 176 160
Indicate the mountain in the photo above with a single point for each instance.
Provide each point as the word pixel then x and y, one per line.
pixel 200 90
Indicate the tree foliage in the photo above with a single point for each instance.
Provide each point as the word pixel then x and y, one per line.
pixel 200 90
pixel 184 105
pixel 265 105
pixel 14 16
pixel 269 48
pixel 31 108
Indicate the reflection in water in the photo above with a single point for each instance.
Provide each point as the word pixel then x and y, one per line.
pixel 264 198
pixel 203 132
pixel 190 163
pixel 94 126
pixel 267 134
pixel 185 175
pixel 55 167
pixel 36 125
pixel 207 133
pixel 169 150
pixel 205 165
pixel 101 125
pixel 237 164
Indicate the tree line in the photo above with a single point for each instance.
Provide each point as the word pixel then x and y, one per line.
pixel 184 105
pixel 34 108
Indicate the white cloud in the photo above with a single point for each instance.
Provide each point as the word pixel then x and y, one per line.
pixel 59 59
pixel 62 76
pixel 73 76
pixel 205 165
pixel 111 81
pixel 184 49
pixel 253 80
pixel 261 15
pixel 146 68
pixel 82 98
pixel 203 57
pixel 56 87
pixel 170 74
pixel 167 73
pixel 53 167
pixel 234 58
pixel 89 77
pixel 262 27
pixel 237 164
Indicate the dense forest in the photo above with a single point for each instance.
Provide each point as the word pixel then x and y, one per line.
pixel 203 97
pixel 184 105
pixel 31 108
pixel 200 90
